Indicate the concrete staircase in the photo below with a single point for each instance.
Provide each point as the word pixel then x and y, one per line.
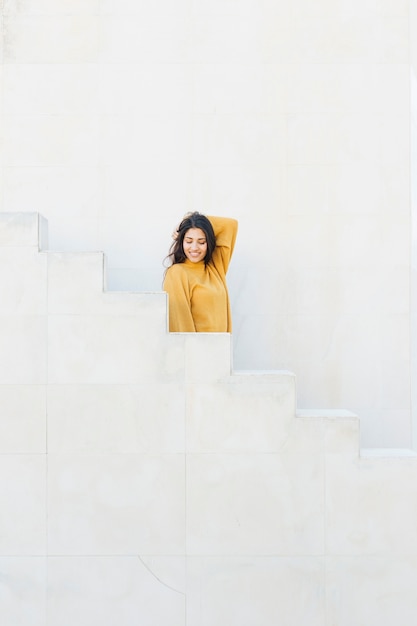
pixel 144 482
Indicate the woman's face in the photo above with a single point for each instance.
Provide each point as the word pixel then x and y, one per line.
pixel 195 245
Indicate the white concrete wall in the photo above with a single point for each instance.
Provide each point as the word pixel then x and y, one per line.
pixel 144 482
pixel 413 187
pixel 119 116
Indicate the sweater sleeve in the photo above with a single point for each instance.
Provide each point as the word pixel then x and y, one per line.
pixel 179 305
pixel 225 231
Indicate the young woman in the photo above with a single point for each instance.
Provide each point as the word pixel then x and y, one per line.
pixel 196 279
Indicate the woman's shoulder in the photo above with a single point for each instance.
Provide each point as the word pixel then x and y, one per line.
pixel 176 269
pixel 177 272
pixel 186 267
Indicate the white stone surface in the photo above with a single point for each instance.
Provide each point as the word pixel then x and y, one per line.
pixel 108 504
pixel 118 117
pixel 362 590
pixel 22 419
pixel 115 589
pixel 24 229
pixel 23 494
pixel 23 346
pixel 109 349
pixel 359 494
pixel 48 89
pixel 50 7
pixel 130 419
pixel 207 356
pixel 50 140
pixel 240 504
pixel 46 38
pixel 245 414
pixel 142 477
pixel 22 282
pixel 23 590
pixel 413 204
pixel 252 590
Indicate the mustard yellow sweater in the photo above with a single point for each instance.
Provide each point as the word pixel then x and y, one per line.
pixel 198 299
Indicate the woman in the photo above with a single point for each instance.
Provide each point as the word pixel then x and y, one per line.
pixel 196 279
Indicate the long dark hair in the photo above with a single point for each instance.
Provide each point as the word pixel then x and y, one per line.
pixel 192 220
